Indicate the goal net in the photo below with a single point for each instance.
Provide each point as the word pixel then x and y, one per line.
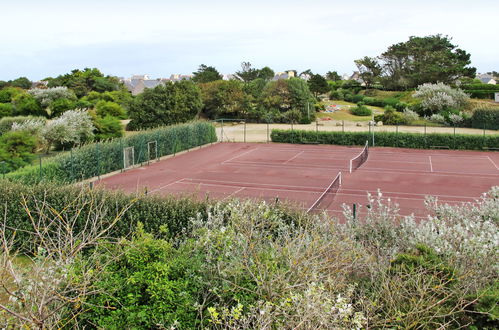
pixel 128 157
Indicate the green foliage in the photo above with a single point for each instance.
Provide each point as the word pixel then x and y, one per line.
pixel 265 73
pixel 6 110
pixel 485 118
pixel 370 70
pixel 16 149
pixel 21 82
pixel 389 139
pixel 224 99
pixel 333 76
pixel 84 81
pixel 420 60
pixel 59 106
pixel 96 159
pixel 107 127
pixel 391 117
pixel 108 108
pixel 167 104
pixel 27 105
pixel 206 74
pixel 9 93
pixel 318 84
pixel 481 91
pixel 165 217
pixel 361 110
pixel 148 284
pixel 484 312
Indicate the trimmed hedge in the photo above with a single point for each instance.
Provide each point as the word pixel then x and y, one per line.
pixel 153 211
pixel 100 158
pixel 485 118
pixel 388 139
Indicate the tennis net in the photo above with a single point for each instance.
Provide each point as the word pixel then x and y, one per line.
pixel 327 196
pixel 357 162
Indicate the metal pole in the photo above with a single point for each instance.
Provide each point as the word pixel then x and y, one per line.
pixel 373 133
pixel 454 137
pixel 425 141
pixel 222 139
pixel 343 126
pixel 72 165
pixel 354 211
pixel 397 135
pixel 267 132
pixel 98 160
pixel 483 140
pixel 40 161
pixel 244 132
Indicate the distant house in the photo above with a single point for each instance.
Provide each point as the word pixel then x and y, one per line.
pixel 231 77
pixel 284 75
pixel 39 84
pixel 356 76
pixel 486 79
pixel 137 83
pixel 305 76
pixel 179 77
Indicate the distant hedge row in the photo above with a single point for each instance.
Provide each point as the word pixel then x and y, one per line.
pixel 487 117
pixel 388 139
pixel 100 158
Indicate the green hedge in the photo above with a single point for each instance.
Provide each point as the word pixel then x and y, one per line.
pixel 388 139
pixel 487 117
pixel 152 211
pixel 100 158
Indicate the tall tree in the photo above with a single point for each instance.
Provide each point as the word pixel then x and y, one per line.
pixel 266 73
pixel 422 60
pixel 333 75
pixel 318 84
pixel 370 70
pixel 166 104
pixel 206 74
pixel 247 73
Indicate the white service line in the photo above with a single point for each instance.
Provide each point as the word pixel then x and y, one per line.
pixel 431 164
pixel 170 184
pixel 235 192
pixel 242 183
pixel 237 156
pixel 295 156
pixel 497 168
pixel 254 188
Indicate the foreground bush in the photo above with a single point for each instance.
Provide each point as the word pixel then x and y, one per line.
pixel 96 159
pixel 388 139
pixel 257 265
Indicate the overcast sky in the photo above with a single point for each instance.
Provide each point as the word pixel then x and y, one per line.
pixel 122 37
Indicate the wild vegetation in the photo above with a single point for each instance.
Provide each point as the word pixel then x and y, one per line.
pixel 243 264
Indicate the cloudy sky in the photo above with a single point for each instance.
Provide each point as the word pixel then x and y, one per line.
pixel 161 37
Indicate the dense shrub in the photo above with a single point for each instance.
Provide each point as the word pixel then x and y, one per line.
pixel 16 150
pixel 167 104
pixel 389 139
pixel 6 110
pixel 361 110
pixel 391 117
pixel 108 108
pixel 108 128
pixel 95 159
pixel 481 91
pixel 485 118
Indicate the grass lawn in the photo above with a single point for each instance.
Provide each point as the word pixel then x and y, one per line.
pixel 344 113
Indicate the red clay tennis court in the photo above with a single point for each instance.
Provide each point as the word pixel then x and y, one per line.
pixel 303 174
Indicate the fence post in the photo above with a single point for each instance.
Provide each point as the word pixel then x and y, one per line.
pixel 245 132
pixel 483 140
pixel 72 165
pixel 97 160
pixel 343 126
pixel 222 131
pixel 425 140
pixel 121 151
pixel 454 142
pixel 267 132
pixel 40 162
pixel 397 135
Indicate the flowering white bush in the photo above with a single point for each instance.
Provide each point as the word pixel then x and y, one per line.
pixel 49 95
pixel 436 118
pixel 455 118
pixel 72 127
pixel 438 97
pixel 410 115
pixel 33 126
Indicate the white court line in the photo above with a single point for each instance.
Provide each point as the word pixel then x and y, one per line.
pixel 375 169
pixel 240 183
pixel 295 156
pixel 237 156
pixel 235 192
pixel 411 199
pixel 171 183
pixel 374 192
pixel 497 168
pixel 431 164
pixel 256 188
